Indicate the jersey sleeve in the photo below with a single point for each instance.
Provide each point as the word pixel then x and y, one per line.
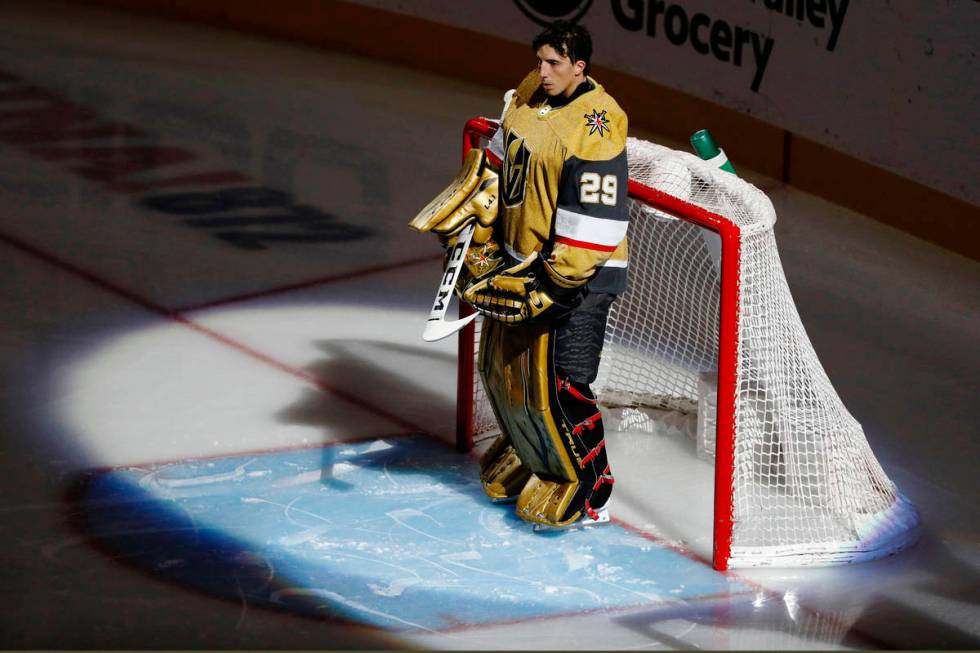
pixel 591 218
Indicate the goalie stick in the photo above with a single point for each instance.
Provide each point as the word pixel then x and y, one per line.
pixel 437 327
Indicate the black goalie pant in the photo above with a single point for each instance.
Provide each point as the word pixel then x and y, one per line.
pixel 552 451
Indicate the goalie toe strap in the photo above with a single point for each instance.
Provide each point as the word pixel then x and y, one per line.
pixel 604 479
pixel 587 425
pixel 598 448
pixel 566 385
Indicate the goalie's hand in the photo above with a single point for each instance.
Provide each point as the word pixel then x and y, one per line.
pixel 522 293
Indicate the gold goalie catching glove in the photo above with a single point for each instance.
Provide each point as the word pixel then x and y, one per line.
pixel 522 293
pixel 471 198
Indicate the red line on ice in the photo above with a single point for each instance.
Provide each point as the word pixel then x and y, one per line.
pixel 343 276
pixel 214 335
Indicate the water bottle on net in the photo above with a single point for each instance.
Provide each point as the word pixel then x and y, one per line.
pixel 706 148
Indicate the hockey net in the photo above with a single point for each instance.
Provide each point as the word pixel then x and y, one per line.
pixel 708 326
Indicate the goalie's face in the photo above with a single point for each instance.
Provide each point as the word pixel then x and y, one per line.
pixel 559 75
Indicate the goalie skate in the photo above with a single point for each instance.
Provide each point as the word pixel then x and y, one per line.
pixel 602 517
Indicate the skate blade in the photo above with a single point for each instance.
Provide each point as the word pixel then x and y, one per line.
pixel 512 499
pixel 584 522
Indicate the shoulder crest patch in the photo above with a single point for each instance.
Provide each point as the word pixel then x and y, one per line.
pixel 597 122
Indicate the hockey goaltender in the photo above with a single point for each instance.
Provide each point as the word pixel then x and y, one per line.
pixel 544 265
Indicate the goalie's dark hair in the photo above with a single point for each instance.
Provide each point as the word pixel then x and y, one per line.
pixel 568 39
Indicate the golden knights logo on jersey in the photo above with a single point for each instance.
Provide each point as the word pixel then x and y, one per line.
pixel 597 122
pixel 517 160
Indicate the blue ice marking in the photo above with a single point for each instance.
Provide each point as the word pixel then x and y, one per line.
pixel 393 533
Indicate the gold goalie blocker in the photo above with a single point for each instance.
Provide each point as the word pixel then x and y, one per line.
pixel 471 198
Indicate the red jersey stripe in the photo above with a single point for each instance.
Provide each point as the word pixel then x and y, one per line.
pixel 584 245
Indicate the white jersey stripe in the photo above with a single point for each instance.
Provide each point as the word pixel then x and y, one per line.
pixel 614 263
pixel 608 263
pixel 514 254
pixel 585 228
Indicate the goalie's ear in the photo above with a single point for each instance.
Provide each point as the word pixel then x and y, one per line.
pixel 472 195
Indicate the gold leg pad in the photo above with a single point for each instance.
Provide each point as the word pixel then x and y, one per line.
pixel 514 367
pixel 501 471
pixel 545 502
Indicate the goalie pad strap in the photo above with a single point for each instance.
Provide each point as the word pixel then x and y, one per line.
pixel 566 385
pixel 599 447
pixel 603 479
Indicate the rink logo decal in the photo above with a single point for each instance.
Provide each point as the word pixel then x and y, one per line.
pixel 233 214
pixel 545 12
pixel 395 534
pixel 247 216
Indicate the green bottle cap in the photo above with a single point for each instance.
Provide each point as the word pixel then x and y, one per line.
pixel 704 145
pixel 706 148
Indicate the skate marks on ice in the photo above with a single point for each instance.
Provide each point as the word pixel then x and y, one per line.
pixel 394 533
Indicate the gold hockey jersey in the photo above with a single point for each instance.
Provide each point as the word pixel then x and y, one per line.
pixel 564 185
